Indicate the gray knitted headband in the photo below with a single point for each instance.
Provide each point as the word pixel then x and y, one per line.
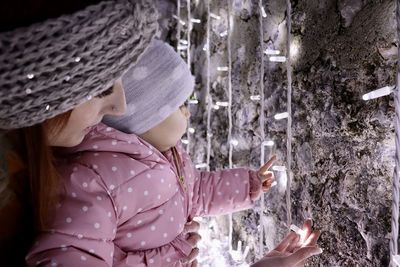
pixel 154 88
pixel 51 67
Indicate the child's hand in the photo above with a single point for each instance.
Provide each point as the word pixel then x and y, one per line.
pixel 191 234
pixel 267 177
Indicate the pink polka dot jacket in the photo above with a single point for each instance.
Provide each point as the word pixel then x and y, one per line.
pixel 123 204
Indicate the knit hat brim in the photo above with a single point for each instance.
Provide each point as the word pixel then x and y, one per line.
pixel 49 68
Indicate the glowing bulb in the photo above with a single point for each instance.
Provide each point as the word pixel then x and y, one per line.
pixel 195 20
pixel 272 52
pixel 268 143
pixel 216 107
pixel 234 142
pixel 182 41
pixel 378 93
pixel 222 104
pixel 182 47
pixel 222 68
pixel 294 49
pixel 193 101
pixel 191 130
pixel 255 97
pixel 201 165
pixel 277 59
pixel 300 232
pixel 180 21
pixel 281 116
pixel 212 15
pixel 184 141
pixel 396 259
pixel 263 13
pixel 223 34
pixel 279 168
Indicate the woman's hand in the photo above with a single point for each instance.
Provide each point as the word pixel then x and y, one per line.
pixel 294 249
pixel 190 231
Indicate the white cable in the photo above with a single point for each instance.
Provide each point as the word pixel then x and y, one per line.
pixel 289 110
pixel 208 96
pixel 230 109
pixel 262 130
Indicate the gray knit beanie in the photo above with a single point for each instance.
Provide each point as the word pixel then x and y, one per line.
pixel 51 67
pixel 155 88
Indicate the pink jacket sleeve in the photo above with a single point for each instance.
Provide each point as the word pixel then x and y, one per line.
pixel 222 192
pixel 84 227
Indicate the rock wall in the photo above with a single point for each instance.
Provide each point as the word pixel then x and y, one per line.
pixel 342 146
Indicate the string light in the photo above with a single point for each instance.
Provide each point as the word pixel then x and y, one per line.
pixel 30 76
pixel 234 142
pixel 185 141
pixel 28 91
pixel 279 168
pixel 191 130
pixel 180 21
pixel 77 59
pixel 201 165
pixel 216 107
pixel 182 47
pixel 212 15
pixel 193 101
pixel 263 13
pixel 222 69
pixel 268 143
pixel 281 116
pixel 387 90
pixel 277 59
pixel 184 42
pixel 255 97
pixel 195 20
pixel 223 34
pixel 222 104
pixel 269 51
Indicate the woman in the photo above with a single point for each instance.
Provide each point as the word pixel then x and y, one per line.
pixel 59 70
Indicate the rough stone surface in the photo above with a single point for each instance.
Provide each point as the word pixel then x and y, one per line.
pixel 342 146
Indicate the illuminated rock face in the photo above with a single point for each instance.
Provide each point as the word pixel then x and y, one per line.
pixel 343 147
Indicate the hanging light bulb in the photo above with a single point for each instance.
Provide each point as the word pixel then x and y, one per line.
pixel 222 68
pixel 279 168
pixel 269 51
pixel 277 59
pixel 214 16
pixel 234 142
pixel 379 93
pixel 255 97
pixel 180 21
pixel 280 116
pixel 201 165
pixel 223 34
pixel 268 143
pixel 195 20
pixel 185 141
pixel 222 104
pixel 263 13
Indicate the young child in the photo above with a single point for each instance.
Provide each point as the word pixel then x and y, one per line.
pixel 130 187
